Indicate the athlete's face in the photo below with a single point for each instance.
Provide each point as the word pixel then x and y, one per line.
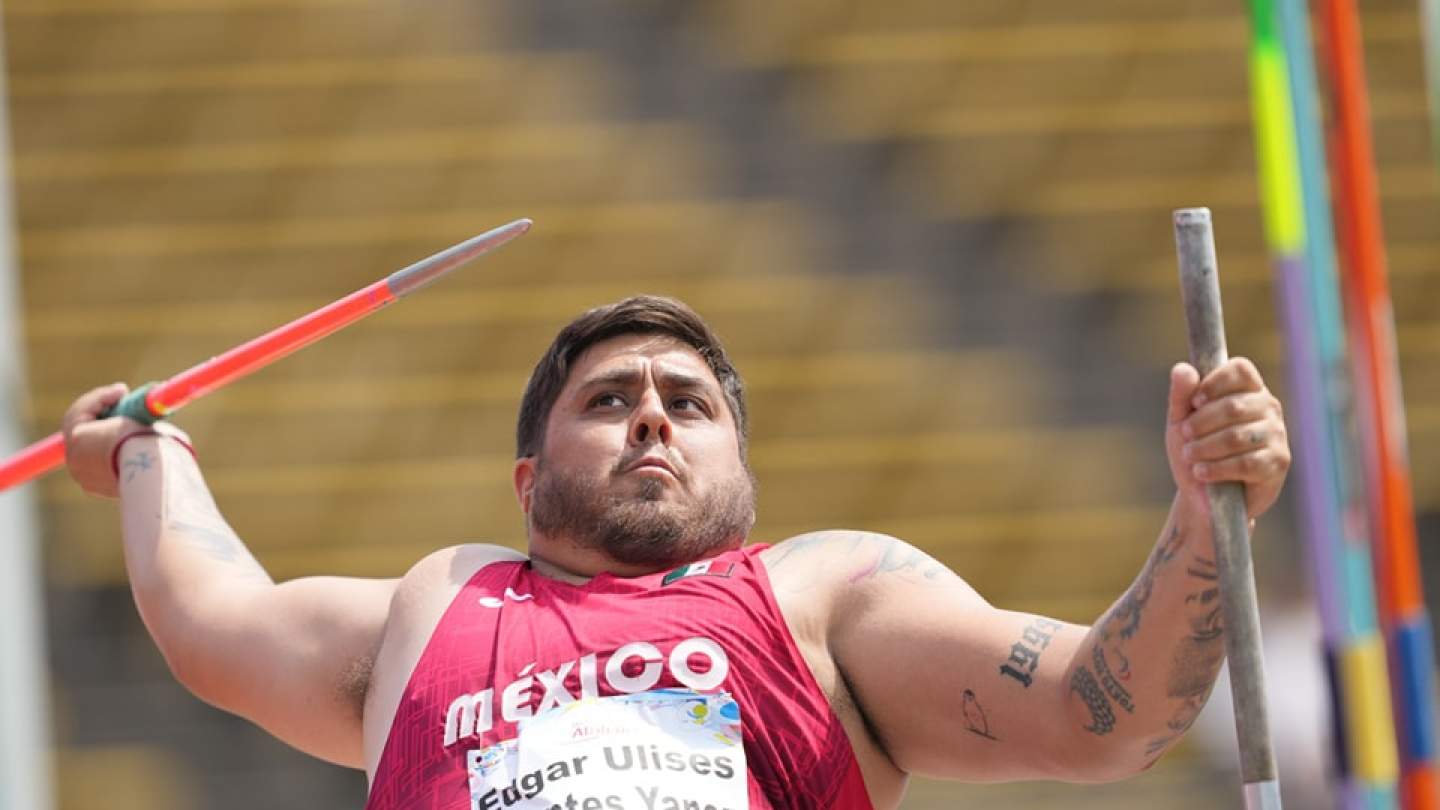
pixel 641 459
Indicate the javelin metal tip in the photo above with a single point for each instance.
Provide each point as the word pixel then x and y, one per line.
pixel 1191 216
pixel 499 236
pixel 408 280
pixel 506 232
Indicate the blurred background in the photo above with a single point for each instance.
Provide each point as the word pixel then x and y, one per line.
pixel 934 235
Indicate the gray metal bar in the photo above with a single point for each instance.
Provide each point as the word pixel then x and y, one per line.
pixel 1200 288
pixel 406 280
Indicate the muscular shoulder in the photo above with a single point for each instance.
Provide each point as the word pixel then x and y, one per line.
pixel 450 568
pixel 823 575
pixel 420 599
pixel 430 585
pixel 847 560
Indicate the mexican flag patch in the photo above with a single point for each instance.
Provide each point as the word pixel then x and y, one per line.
pixel 706 568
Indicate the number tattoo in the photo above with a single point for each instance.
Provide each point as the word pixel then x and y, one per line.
pixel 1025 653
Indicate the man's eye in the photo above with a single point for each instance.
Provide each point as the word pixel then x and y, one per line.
pixel 688 404
pixel 608 401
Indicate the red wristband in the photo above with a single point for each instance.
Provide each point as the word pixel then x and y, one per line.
pixel 115 453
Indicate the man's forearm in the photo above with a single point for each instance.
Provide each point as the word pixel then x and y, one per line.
pixel 180 554
pixel 1147 666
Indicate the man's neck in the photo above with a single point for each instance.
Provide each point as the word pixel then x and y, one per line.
pixel 577 565
pixel 582 566
pixel 551 570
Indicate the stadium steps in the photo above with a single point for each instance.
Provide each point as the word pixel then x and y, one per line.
pixel 403 174
pixel 188 33
pixel 123 777
pixel 324 257
pixel 935 80
pixel 230 103
pixel 755 34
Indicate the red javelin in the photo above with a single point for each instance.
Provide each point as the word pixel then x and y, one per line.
pixel 154 401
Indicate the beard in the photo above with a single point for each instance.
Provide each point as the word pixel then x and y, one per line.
pixel 641 527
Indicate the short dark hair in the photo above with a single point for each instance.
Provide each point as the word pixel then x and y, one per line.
pixel 638 315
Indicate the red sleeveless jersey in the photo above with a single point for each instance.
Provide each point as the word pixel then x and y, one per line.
pixel 516 648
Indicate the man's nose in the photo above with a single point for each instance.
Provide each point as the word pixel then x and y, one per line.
pixel 650 422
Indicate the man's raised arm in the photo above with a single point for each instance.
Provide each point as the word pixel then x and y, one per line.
pixel 292 657
pixel 953 687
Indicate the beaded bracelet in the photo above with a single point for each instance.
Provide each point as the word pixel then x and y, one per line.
pixel 115 453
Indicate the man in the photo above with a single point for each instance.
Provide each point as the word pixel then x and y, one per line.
pixel 642 656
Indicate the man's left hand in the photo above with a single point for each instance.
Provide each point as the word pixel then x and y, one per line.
pixel 1226 427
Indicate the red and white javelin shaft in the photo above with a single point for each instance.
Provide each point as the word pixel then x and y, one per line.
pixel 154 401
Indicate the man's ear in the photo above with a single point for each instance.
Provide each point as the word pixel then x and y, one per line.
pixel 525 482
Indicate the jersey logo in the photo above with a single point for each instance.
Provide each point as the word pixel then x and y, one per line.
pixel 496 602
pixel 708 568
pixel 697 663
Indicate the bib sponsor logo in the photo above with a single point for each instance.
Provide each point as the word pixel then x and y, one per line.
pixel 697 663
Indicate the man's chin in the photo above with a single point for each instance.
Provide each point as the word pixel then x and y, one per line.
pixel 646 519
pixel 657 515
pixel 653 488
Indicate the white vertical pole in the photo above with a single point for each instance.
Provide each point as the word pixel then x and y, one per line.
pixel 25 766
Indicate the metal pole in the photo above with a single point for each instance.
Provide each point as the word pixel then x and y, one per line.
pixel 1200 289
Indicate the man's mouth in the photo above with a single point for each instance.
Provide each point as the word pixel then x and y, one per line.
pixel 653 463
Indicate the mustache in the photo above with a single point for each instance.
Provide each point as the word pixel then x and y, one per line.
pixel 631 458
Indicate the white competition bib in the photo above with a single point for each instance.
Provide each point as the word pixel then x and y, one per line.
pixel 669 749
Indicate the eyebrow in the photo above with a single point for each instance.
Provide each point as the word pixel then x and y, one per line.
pixel 629 377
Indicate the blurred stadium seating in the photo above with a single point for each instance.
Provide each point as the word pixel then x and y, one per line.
pixel 934 235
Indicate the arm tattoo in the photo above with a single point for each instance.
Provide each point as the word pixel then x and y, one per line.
pixel 899 558
pixel 1203 568
pixel 1116 628
pixel 1127 614
pixel 975 719
pixel 1102 717
pixel 1207 621
pixel 1025 653
pixel 190 513
pixel 141 462
pixel 1178 724
pixel 886 555
pixel 1113 688
pixel 1197 657
pixel 223 546
pixel 797 545
pixel 1194 668
pixel 794 551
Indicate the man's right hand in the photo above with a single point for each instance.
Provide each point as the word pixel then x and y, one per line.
pixel 90 440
